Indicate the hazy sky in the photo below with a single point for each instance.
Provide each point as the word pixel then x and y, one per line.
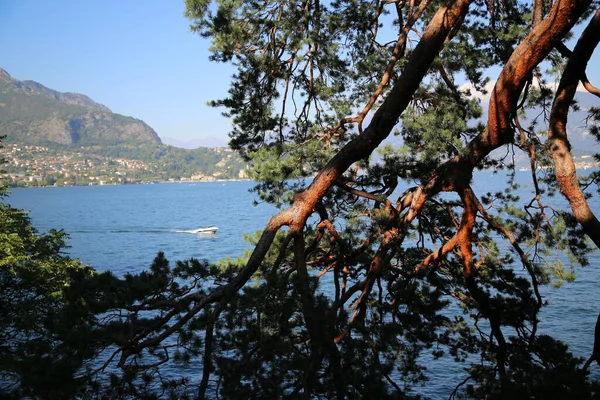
pixel 138 57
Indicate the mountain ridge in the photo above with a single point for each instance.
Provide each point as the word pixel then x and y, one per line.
pixel 33 113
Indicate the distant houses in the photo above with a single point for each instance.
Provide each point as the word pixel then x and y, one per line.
pixel 30 165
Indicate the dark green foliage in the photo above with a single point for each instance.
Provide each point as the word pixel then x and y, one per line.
pixel 544 370
pixel 43 333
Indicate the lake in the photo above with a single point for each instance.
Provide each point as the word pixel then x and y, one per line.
pixel 121 228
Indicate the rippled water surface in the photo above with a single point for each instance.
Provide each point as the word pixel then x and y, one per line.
pixel 120 228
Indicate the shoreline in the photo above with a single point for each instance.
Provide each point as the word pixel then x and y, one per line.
pixel 129 183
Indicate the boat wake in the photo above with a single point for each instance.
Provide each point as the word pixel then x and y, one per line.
pixel 210 230
pixel 126 230
pixel 104 230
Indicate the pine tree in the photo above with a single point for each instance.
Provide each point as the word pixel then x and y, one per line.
pixel 383 261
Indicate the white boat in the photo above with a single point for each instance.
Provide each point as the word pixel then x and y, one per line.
pixel 206 229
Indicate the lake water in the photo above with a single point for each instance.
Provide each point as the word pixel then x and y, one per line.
pixel 121 228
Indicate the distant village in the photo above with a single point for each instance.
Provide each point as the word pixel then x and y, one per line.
pixel 586 162
pixel 30 165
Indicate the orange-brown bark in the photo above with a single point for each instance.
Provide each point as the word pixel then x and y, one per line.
pixel 558 143
pixel 535 47
pixel 453 175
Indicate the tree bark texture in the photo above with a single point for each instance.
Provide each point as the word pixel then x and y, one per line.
pixel 558 143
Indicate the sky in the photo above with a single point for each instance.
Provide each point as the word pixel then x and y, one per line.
pixel 137 57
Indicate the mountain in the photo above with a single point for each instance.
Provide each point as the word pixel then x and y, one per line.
pixel 578 131
pixel 583 144
pixel 209 141
pixel 34 114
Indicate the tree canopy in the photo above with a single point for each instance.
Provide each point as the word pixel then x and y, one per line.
pixel 383 260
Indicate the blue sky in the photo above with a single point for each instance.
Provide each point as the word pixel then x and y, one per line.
pixel 137 57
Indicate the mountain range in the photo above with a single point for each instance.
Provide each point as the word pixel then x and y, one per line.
pixel 32 113
pixel 205 141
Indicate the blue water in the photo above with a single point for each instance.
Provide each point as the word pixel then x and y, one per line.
pixel 121 228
